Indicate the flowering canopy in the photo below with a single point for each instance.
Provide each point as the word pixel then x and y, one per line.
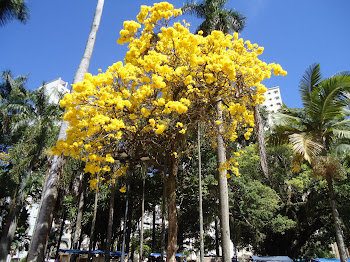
pixel 171 79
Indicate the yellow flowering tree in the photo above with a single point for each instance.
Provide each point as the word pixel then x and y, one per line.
pixel 170 80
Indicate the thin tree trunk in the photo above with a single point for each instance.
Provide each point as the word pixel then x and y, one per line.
pixel 260 137
pixel 93 223
pixel 61 233
pixel 223 192
pixel 41 230
pixel 337 224
pixel 110 222
pixel 129 226
pixel 77 233
pixel 126 214
pixel 10 228
pixel 154 227
pixel 217 236
pixel 201 233
pixel 172 216
pixel 142 215
pixel 163 215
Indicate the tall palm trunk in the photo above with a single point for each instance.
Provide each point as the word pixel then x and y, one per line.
pixel 110 222
pixel 337 224
pixel 260 137
pixel 49 197
pixel 201 234
pixel 223 191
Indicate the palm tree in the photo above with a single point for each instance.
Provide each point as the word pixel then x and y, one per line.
pixel 217 17
pixel 312 130
pixel 32 121
pixel 13 9
pixel 49 197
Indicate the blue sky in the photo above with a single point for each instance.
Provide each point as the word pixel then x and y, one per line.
pixel 294 33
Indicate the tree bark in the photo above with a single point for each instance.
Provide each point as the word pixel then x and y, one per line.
pixel 110 222
pixel 154 226
pixel 77 233
pixel 223 191
pixel 61 233
pixel 201 233
pixel 126 213
pixel 142 215
pixel 172 214
pixel 163 214
pixel 260 137
pixel 41 230
pixel 217 237
pixel 337 224
pixel 93 223
pixel 10 228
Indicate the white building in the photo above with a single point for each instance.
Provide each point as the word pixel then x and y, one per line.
pixel 55 90
pixel 273 100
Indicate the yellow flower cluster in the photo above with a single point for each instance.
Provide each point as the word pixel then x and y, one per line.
pixel 171 78
pixel 4 159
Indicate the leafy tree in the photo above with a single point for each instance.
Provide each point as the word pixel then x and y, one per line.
pixel 325 117
pixel 13 9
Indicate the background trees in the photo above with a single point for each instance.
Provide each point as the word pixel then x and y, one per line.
pixel 313 133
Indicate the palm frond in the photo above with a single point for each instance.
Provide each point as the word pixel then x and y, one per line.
pixel 311 78
pixel 341 133
pixel 341 149
pixel 305 144
pixel 193 8
pixel 283 119
pixel 333 97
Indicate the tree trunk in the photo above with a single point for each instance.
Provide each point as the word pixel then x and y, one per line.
pixel 260 137
pixel 126 213
pixel 162 244
pixel 41 230
pixel 142 215
pixel 77 233
pixel 61 233
pixel 172 217
pixel 129 226
pixel 201 233
pixel 337 224
pixel 10 228
pixel 93 223
pixel 154 227
pixel 223 192
pixel 110 222
pixel 217 236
